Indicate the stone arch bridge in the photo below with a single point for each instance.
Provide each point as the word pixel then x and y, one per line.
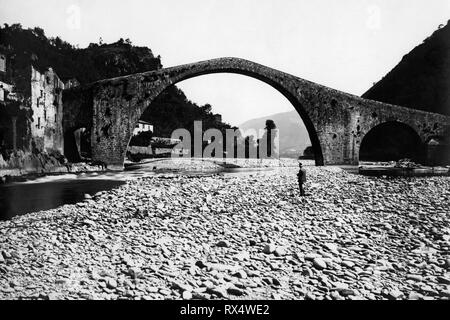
pixel 336 121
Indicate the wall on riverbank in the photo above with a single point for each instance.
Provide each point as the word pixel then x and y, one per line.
pixel 28 162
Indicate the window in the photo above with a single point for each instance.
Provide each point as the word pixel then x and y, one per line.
pixel 45 114
pixel 2 63
pixel 42 93
pixel 39 123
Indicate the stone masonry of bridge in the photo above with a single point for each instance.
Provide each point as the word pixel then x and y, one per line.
pixel 336 121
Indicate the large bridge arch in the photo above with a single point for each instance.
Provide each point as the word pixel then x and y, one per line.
pixel 295 102
pixel 138 92
pixel 336 121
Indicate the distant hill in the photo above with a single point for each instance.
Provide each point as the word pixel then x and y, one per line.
pixel 294 137
pixel 422 78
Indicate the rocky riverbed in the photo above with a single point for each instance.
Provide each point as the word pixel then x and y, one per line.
pixel 214 164
pixel 243 236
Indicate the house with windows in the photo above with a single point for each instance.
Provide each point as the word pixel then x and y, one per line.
pixel 46 104
pixel 10 108
pixel 5 89
pixel 30 107
pixel 70 82
pixel 142 126
pixel 2 62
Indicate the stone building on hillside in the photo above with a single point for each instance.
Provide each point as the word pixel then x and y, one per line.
pixel 142 126
pixel 2 62
pixel 30 109
pixel 46 104
pixel 5 88
pixel 70 82
pixel 12 115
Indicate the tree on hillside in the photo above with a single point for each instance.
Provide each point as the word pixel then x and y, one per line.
pixel 267 142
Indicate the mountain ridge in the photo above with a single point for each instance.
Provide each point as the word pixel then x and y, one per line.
pixel 421 80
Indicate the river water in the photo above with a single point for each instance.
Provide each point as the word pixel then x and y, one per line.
pixel 50 192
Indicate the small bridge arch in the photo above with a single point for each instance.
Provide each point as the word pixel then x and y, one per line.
pixel 392 141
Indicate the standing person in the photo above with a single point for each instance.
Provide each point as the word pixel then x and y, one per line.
pixel 301 175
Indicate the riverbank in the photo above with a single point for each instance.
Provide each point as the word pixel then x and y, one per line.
pixel 401 168
pixel 212 164
pixel 160 165
pixel 245 236
pixel 16 175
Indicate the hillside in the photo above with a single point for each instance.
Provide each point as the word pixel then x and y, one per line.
pixel 23 47
pixel 294 137
pixel 422 78
pixel 97 61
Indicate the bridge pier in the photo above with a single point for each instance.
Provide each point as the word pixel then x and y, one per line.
pixel 107 154
pixel 339 147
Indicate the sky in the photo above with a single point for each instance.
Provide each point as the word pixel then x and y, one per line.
pixel 347 44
